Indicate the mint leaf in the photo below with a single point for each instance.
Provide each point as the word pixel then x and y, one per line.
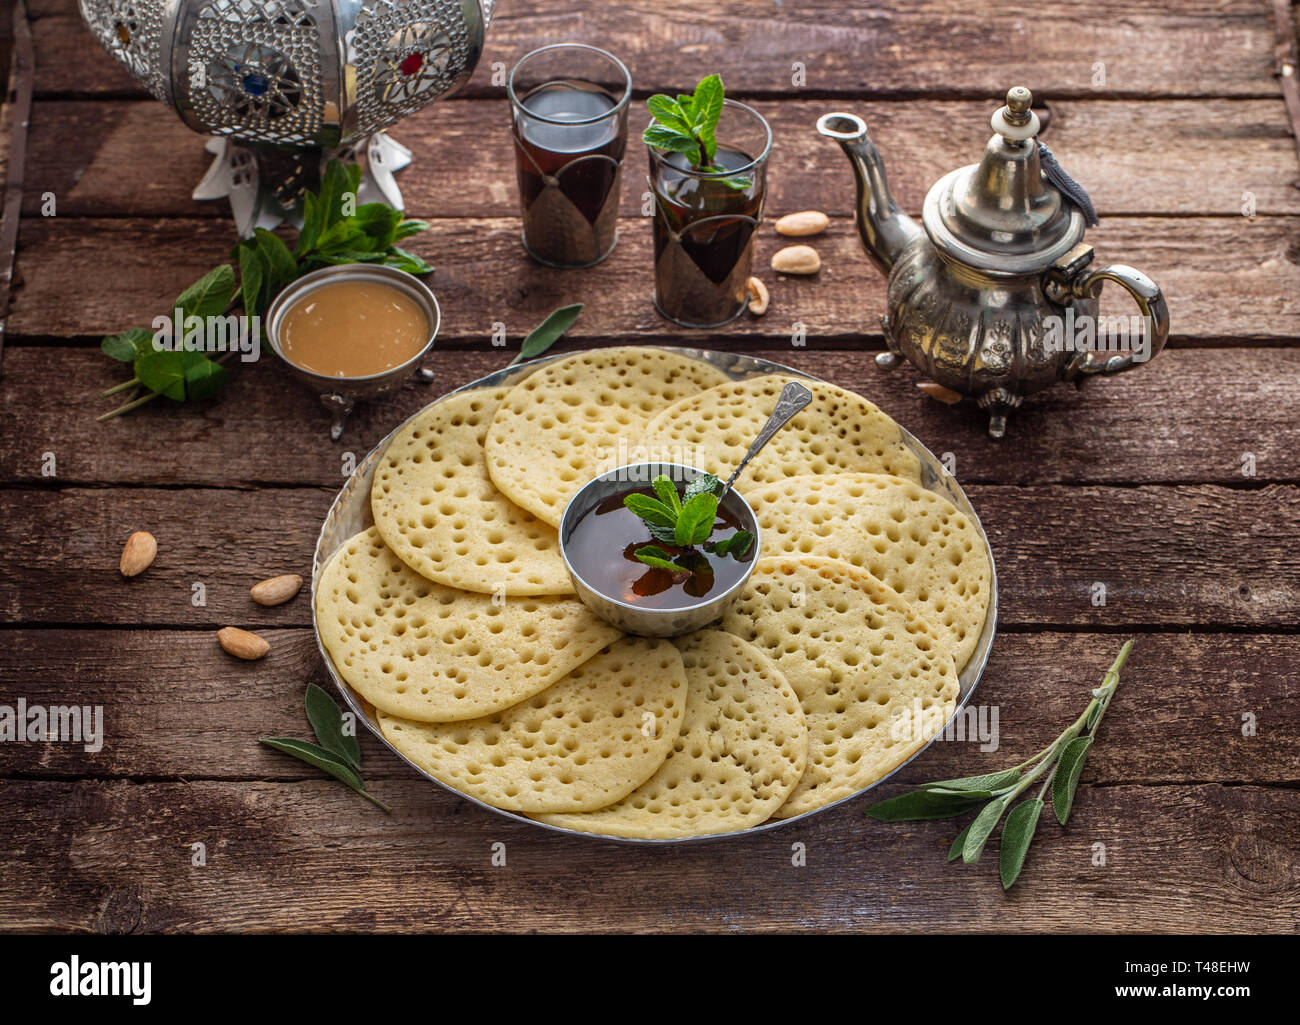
pixel 704 484
pixel 203 377
pixel 668 535
pixel 707 110
pixel 667 492
pixel 656 558
pixel 695 521
pixel 163 372
pixel 651 510
pixel 669 113
pixel 125 347
pixel 665 138
pixel 210 295
pixel 408 262
pixel 736 545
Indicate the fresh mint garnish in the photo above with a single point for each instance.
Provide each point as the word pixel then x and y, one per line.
pixel 689 125
pixel 683 521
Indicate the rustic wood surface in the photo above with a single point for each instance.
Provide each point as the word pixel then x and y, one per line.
pixel 1176 487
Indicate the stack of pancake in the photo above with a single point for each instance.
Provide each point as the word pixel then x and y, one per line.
pixel 455 618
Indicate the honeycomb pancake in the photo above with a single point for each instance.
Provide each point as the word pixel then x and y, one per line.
pixel 915 541
pixel 425 651
pixel 740 753
pixel 438 510
pixel 872 677
pixel 837 431
pixel 583 743
pixel 575 418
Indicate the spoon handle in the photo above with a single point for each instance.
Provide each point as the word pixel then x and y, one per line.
pixel 793 397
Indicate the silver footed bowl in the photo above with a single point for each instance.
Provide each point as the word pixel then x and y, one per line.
pixel 294 73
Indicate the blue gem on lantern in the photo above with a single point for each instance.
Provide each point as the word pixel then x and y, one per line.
pixel 256 84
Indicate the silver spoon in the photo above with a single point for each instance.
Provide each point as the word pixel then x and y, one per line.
pixel 793 397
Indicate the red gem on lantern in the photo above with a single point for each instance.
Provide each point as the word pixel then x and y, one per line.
pixel 412 64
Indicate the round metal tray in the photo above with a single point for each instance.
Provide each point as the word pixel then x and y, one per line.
pixel 350 514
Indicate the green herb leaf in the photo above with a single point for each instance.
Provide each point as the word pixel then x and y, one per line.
pixel 379 221
pixel 704 484
pixel 665 138
pixel 651 510
pixel 667 492
pixel 954 852
pixel 736 545
pixel 668 535
pixel 210 295
pixel 128 345
pixel 319 757
pixel 707 110
pixel 251 274
pixel 548 332
pixel 981 829
pixel 695 521
pixel 988 781
pixel 669 113
pixel 920 805
pixel 409 262
pixel 1066 781
pixel 327 722
pixel 656 557
pixel 1017 835
pixel 163 372
pixel 410 227
pixel 203 377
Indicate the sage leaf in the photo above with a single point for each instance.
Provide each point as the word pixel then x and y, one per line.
pixel 656 557
pixel 695 521
pixel 704 484
pixel 651 510
pixel 1017 835
pixel 125 347
pixel 1066 781
pixel 320 758
pixel 548 332
pixel 667 492
pixel 327 723
pixel 954 852
pixel 988 781
pixel 919 805
pixel 980 830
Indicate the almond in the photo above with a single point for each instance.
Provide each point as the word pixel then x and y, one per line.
pixel 796 260
pixel 241 643
pixel 805 222
pixel 938 391
pixel 276 590
pixel 138 553
pixel 758 297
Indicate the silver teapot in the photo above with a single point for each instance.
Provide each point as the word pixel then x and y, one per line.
pixel 994 294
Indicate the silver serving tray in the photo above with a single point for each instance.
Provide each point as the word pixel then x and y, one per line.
pixel 350 514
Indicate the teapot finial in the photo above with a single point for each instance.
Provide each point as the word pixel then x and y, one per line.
pixel 1016 122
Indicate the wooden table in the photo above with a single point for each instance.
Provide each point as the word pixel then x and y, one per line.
pixel 1136 483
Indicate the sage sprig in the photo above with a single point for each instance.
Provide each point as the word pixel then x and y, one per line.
pixel 1059 766
pixel 338 753
pixel 547 333
pixel 334 230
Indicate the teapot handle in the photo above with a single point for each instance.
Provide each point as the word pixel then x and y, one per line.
pixel 1155 320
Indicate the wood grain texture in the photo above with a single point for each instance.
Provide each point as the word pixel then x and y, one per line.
pixel 177 707
pixel 908 49
pixel 116 857
pixel 483 277
pixel 1211 555
pixel 465 161
pixel 1187 417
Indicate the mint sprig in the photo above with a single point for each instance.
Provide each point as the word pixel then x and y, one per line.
pixel 689 125
pixel 683 521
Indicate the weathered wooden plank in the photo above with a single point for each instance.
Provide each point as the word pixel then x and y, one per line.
pixel 176 706
pixel 1210 555
pixel 484 277
pixel 1189 416
pixel 1120 48
pixel 117 856
pixel 115 158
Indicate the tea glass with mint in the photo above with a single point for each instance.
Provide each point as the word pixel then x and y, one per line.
pixel 706 221
pixel 568 107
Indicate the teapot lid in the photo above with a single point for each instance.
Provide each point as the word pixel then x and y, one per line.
pixel 1003 215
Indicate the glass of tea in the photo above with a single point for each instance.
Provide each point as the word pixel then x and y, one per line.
pixel 568 106
pixel 705 222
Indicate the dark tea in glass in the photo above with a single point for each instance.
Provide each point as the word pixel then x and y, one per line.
pixel 569 108
pixel 705 223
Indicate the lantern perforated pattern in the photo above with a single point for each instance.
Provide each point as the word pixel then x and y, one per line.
pixel 269 71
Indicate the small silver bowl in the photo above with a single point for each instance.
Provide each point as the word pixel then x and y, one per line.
pixel 635 619
pixel 340 394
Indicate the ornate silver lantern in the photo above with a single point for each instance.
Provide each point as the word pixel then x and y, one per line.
pixel 283 85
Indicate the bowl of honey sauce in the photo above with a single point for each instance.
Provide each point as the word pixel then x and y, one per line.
pixel 353 332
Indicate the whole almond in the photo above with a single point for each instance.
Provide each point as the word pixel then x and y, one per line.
pixel 276 590
pixel 758 297
pixel 796 260
pixel 241 643
pixel 937 391
pixel 805 222
pixel 138 553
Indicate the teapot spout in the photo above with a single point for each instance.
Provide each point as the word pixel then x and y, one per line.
pixel 885 230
